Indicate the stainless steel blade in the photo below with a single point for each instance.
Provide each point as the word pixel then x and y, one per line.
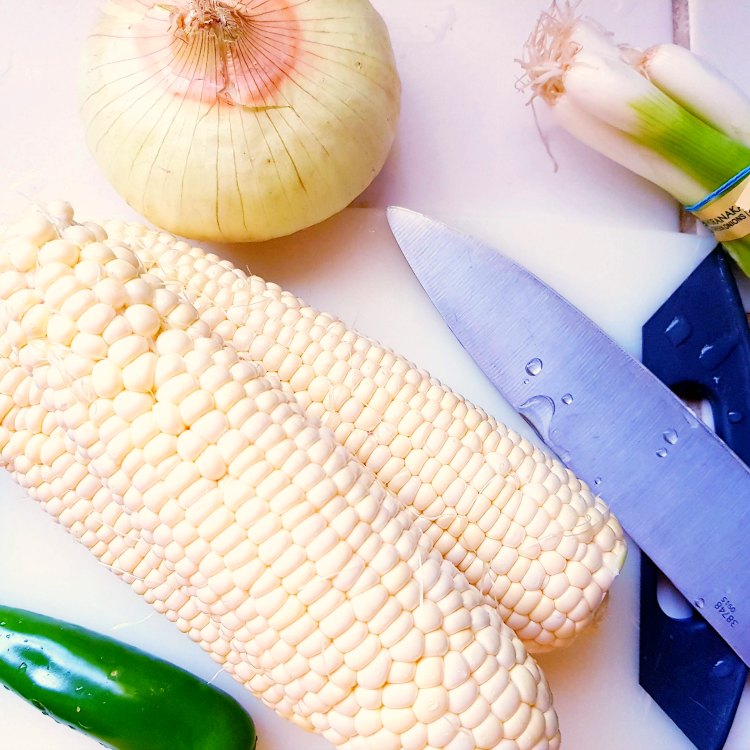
pixel 678 491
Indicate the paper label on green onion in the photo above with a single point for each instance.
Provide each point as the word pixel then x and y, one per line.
pixel 728 216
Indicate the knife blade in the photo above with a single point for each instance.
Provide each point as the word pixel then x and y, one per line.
pixel 602 412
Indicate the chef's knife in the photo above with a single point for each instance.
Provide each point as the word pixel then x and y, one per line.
pixel 702 352
pixel 604 414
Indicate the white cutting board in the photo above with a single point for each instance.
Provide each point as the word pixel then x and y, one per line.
pixel 355 257
pixel 468 152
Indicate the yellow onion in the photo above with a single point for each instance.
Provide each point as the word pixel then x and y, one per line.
pixel 239 120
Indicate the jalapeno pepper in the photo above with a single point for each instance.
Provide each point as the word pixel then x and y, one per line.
pixel 117 694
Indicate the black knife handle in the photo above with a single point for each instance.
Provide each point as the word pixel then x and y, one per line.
pixel 698 344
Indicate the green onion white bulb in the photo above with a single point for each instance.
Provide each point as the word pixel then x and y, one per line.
pixel 662 113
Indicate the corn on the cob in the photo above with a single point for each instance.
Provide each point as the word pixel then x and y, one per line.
pixel 252 527
pixel 520 525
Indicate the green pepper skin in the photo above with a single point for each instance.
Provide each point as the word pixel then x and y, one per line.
pixel 117 694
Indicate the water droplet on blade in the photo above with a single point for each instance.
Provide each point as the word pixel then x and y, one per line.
pixel 567 399
pixel 670 436
pixel 662 453
pixel 534 367
pixel 539 411
pixel 734 417
pixel 699 603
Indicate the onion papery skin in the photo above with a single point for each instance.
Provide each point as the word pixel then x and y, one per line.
pixel 239 120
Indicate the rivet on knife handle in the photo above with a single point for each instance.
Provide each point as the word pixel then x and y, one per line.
pixel 698 343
